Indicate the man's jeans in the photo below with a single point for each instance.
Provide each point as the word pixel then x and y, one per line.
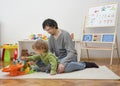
pixel 73 65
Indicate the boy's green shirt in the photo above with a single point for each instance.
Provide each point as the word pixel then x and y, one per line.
pixel 48 58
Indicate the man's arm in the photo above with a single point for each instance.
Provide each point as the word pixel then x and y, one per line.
pixel 50 44
pixel 69 46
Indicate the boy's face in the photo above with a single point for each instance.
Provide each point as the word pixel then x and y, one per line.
pixel 50 30
pixel 37 51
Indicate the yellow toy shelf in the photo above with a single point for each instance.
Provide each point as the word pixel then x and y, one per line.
pixel 6 51
pixel 9 46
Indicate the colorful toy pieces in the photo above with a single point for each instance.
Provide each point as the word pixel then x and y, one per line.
pixel 18 68
pixel 14 70
pixel 38 36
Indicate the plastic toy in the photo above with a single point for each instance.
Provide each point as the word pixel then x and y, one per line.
pixel 15 54
pixel 44 37
pixel 18 68
pixel 6 51
pixel 14 70
pixel 7 56
pixel 38 36
pixel 33 37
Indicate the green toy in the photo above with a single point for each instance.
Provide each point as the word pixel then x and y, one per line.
pixel 7 56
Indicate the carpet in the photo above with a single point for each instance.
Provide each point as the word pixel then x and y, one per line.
pixel 91 73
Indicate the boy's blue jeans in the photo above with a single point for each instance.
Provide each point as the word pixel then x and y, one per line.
pixel 41 67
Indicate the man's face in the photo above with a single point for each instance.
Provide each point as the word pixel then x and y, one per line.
pixel 50 30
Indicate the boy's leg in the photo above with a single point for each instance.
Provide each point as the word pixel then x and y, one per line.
pixel 42 67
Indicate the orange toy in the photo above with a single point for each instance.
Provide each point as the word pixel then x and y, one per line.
pixel 14 69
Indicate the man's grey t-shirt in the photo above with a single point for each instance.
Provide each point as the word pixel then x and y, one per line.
pixel 63 47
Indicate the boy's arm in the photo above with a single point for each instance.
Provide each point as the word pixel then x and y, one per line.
pixel 33 58
pixel 54 63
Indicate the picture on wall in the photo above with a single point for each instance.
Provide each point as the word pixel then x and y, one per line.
pixel 108 38
pixel 87 38
pixel 102 16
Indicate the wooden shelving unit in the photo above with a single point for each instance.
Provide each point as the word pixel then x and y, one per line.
pixel 103 16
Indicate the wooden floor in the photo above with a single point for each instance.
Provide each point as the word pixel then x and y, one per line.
pixel 39 82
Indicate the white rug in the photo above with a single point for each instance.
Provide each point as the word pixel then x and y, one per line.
pixel 92 73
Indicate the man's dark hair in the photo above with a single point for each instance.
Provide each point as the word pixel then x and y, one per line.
pixel 50 23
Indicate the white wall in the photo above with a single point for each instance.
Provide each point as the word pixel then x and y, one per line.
pixel 20 18
pixel 23 17
pixel 0 39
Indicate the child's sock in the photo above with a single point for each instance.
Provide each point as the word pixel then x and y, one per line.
pixel 91 65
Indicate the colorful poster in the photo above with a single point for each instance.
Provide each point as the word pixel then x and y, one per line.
pixel 87 38
pixel 108 38
pixel 102 16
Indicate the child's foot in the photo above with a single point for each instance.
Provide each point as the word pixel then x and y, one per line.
pixel 91 65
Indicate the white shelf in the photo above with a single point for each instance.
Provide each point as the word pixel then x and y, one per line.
pixel 98 42
pixel 27 41
pixel 25 44
pixel 98 48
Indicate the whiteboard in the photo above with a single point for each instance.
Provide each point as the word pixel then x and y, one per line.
pixel 102 16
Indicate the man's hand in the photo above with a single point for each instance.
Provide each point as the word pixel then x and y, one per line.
pixel 61 68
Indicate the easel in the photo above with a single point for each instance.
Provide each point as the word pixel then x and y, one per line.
pixel 88 38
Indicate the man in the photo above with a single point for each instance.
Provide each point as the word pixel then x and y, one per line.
pixel 61 44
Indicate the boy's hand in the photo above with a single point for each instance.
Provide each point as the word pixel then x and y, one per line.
pixel 52 73
pixel 31 63
pixel 24 58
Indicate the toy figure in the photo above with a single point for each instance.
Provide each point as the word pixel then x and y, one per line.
pixel 24 52
pixel 33 37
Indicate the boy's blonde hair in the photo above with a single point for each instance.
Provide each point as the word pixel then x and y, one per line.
pixel 40 45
